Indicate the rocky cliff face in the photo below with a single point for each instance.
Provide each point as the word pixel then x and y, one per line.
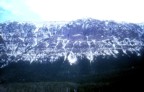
pixel 72 40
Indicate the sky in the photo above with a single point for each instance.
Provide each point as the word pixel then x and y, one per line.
pixel 67 10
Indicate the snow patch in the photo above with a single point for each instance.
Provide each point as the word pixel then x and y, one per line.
pixel 72 58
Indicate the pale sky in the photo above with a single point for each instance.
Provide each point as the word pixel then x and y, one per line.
pixel 66 10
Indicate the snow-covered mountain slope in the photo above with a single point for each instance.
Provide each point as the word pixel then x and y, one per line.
pixel 71 40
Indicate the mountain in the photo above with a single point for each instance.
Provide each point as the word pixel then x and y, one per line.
pixel 72 40
pixel 94 55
